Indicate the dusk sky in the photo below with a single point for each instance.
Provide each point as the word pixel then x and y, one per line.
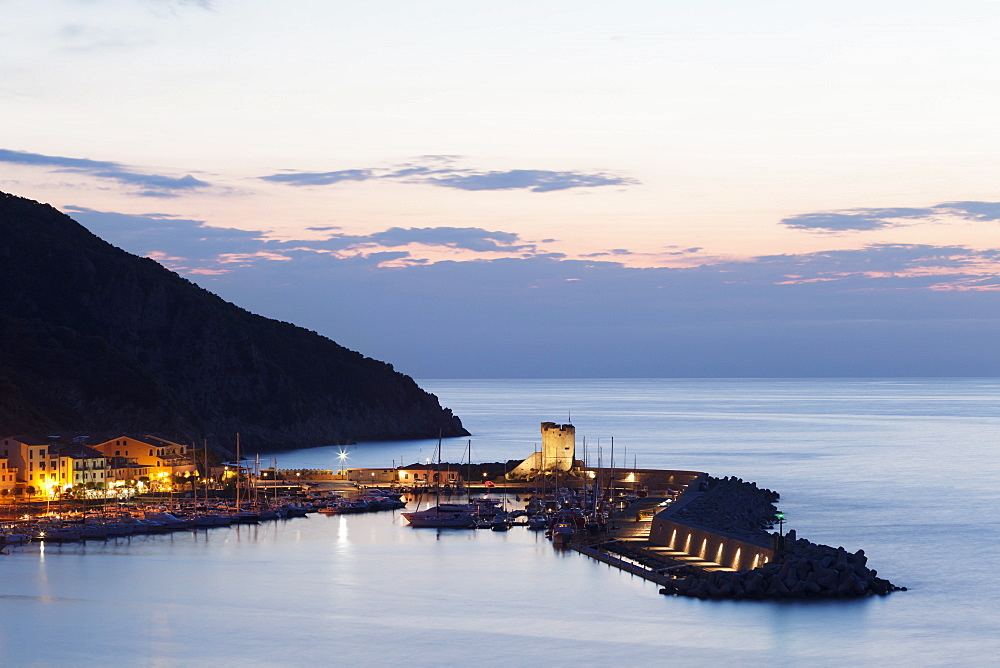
pixel 581 189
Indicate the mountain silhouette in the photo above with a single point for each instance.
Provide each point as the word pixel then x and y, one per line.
pixel 96 340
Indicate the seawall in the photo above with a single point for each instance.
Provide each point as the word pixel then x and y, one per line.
pixel 724 525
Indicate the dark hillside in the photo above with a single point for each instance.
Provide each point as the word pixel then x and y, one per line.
pixel 95 339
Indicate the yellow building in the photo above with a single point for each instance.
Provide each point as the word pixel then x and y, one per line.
pixel 80 465
pixel 427 474
pixel 37 469
pixel 151 459
pixel 8 479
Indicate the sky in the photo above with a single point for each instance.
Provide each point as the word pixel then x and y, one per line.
pixel 546 188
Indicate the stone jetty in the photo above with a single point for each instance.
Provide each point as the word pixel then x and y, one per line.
pixel 739 508
pixel 717 540
pixel 802 570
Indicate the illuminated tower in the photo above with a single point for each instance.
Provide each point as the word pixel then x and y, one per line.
pixel 558 453
pixel 558 446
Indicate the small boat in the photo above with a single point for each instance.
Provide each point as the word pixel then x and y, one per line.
pixel 90 531
pixel 500 523
pixel 58 534
pixel 444 515
pixel 442 519
pixel 561 532
pixel 14 538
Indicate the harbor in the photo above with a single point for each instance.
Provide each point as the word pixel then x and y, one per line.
pixel 691 533
pixel 298 590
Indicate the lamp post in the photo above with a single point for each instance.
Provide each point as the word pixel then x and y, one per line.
pixel 781 523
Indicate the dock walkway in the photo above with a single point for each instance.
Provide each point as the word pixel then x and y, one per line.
pixel 627 547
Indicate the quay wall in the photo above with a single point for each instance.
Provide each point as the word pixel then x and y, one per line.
pixel 709 545
pixel 728 516
pixel 667 480
pixel 308 474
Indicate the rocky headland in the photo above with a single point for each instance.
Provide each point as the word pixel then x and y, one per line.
pixel 96 340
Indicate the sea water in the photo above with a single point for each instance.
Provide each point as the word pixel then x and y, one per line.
pixel 905 469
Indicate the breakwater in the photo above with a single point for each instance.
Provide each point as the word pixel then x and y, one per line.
pixel 717 540
pixel 722 521
pixel 727 523
pixel 802 569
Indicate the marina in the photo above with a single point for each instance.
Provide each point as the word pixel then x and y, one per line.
pixel 299 590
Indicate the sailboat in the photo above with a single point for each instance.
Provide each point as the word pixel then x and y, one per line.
pixel 448 515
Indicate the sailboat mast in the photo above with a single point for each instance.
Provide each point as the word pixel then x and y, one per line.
pixel 437 476
pixel 256 478
pixel 468 475
pixel 597 481
pixel 204 443
pixel 237 470
pixel 612 471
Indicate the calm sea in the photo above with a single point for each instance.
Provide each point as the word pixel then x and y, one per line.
pixel 905 469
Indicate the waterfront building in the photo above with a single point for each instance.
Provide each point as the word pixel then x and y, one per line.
pixel 8 478
pixel 80 465
pixel 427 474
pixel 371 476
pixel 150 460
pixel 37 468
pixel 126 472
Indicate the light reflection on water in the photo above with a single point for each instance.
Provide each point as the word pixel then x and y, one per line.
pixel 904 470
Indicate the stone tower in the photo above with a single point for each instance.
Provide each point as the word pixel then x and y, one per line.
pixel 558 453
pixel 558 446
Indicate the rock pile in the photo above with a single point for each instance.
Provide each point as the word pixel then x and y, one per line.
pixel 805 570
pixel 738 508
pixel 800 569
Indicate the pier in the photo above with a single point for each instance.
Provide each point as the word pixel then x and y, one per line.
pixel 627 546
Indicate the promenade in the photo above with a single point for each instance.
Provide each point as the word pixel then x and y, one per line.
pixel 626 546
